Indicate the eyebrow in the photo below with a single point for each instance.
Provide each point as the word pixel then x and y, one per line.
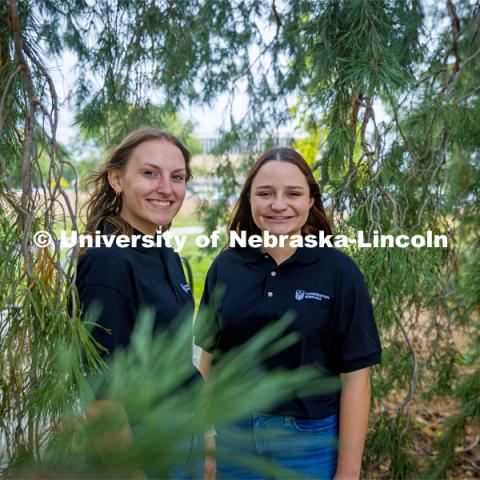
pixel 297 187
pixel 156 167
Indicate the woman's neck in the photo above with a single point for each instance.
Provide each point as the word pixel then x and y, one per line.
pixel 279 254
pixel 144 228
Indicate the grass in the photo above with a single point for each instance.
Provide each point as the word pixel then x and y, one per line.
pixel 200 262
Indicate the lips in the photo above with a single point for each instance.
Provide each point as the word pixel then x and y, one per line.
pixel 279 219
pixel 160 203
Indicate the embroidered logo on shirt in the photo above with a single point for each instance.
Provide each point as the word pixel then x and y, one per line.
pixel 186 287
pixel 303 295
pixel 299 294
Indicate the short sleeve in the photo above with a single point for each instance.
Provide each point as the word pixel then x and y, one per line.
pixel 356 342
pixel 206 328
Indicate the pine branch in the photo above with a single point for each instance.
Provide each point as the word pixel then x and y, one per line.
pixel 53 93
pixel 413 382
pixel 5 94
pixel 29 135
pixel 278 20
pixel 456 32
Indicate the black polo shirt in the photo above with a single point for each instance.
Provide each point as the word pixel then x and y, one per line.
pixel 120 281
pixel 325 291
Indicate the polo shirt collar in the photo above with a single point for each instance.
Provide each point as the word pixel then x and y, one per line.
pixel 307 255
pixel 163 248
pixel 139 245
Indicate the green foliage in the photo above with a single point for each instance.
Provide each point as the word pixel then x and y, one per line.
pixel 150 381
pixel 309 147
pixel 391 440
pixel 36 387
pixel 412 169
pixel 447 445
pixel 467 393
pixel 127 117
pixel 217 213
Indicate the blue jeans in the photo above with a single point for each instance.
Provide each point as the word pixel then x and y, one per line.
pixel 303 447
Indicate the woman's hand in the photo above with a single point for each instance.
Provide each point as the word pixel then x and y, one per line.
pixel 119 436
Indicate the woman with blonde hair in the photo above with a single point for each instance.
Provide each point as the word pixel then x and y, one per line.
pixel 137 193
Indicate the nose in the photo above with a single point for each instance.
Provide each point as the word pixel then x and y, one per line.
pixel 164 186
pixel 279 204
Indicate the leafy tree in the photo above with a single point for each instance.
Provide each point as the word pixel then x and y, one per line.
pixel 415 169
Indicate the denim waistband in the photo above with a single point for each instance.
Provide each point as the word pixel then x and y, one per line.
pixel 290 419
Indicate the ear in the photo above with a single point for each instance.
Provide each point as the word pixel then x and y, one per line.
pixel 115 180
pixel 312 201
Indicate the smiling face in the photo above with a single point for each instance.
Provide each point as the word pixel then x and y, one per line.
pixel 280 198
pixel 152 185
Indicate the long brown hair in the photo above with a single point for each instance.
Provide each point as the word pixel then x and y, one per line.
pixel 104 205
pixel 242 220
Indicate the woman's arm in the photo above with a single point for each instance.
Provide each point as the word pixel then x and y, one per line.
pixel 354 411
pixel 205 364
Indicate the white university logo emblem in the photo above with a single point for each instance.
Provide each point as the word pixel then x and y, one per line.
pixel 186 287
pixel 299 294
pixel 303 295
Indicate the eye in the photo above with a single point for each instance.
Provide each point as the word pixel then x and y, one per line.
pixel 263 194
pixel 294 193
pixel 149 173
pixel 178 177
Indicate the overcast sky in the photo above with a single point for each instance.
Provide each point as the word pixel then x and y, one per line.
pixel 207 120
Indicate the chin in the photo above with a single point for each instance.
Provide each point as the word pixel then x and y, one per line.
pixel 156 222
pixel 164 221
pixel 278 231
pixel 163 218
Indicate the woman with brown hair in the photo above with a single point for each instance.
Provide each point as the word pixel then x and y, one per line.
pixel 318 436
pixel 136 193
